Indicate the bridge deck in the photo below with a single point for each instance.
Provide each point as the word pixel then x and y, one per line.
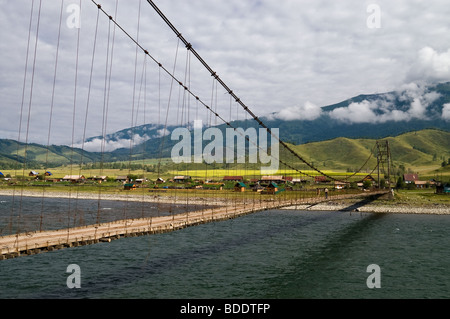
pixel 35 242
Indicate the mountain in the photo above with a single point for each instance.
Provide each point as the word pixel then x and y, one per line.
pixel 13 153
pixel 413 149
pixel 373 116
pixel 414 107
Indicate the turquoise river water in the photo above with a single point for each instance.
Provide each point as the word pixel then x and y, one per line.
pixel 276 254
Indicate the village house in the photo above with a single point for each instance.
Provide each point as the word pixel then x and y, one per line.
pixel 442 188
pixel 240 187
pixel 257 188
pixel 33 173
pixel 122 178
pixel 410 178
pixel 181 179
pixel 339 185
pixel 272 179
pixel 129 186
pixel 320 179
pixel 160 180
pixel 369 178
pixel 233 178
pixel 272 188
pixel 423 184
pixel 98 179
pixel 74 178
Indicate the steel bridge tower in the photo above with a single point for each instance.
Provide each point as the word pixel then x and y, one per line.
pixel 384 160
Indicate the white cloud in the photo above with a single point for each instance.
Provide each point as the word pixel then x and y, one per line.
pixel 431 65
pixel 416 97
pixel 307 111
pixel 98 144
pixel 446 112
pixel 355 113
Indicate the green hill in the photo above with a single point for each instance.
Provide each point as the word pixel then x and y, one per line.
pixel 422 150
pixel 13 153
pixel 425 148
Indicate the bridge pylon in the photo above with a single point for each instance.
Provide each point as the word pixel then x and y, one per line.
pixel 384 162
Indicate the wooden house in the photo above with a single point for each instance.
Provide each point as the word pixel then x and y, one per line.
pixel 122 178
pixel 181 179
pixel 257 188
pixel 442 188
pixel 320 179
pixel 33 173
pixel 233 178
pixel 266 180
pixel 160 180
pixel 129 186
pixel 410 178
pixel 369 178
pixel 272 188
pixel 74 178
pixel 240 187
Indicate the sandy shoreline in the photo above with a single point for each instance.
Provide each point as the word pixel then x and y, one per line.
pixel 436 210
pixel 337 205
pixel 153 198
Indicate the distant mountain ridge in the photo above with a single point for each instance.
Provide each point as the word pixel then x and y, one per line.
pixel 387 114
pixel 372 116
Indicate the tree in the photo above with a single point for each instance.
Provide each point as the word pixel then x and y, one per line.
pixel 400 183
pixel 367 184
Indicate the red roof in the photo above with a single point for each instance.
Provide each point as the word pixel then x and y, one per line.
pixel 410 177
pixel 233 178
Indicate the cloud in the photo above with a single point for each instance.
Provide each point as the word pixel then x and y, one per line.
pixel 98 144
pixel 307 111
pixel 416 97
pixel 446 112
pixel 431 66
pixel 269 55
pixel 355 113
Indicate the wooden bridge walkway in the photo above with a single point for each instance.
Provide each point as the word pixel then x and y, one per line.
pixel 30 243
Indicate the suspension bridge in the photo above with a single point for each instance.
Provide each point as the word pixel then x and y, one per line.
pixel 228 204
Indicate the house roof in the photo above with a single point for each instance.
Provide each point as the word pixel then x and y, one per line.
pixel 240 184
pixel 410 177
pixel 232 178
pixel 73 177
pixel 272 178
pixel 272 184
pixel 182 177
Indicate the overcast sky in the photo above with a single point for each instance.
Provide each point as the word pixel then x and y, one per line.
pixel 284 57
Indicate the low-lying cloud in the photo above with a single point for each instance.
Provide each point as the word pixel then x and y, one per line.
pixel 412 101
pixel 307 111
pixel 99 144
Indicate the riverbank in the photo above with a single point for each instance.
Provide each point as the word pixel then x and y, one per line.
pixel 402 204
pixel 332 206
pixel 135 197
